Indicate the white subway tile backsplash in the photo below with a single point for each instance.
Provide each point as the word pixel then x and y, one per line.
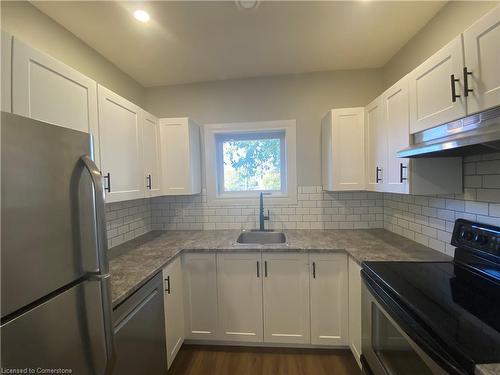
pixel 434 225
pixel 314 210
pixel 428 220
pixel 127 220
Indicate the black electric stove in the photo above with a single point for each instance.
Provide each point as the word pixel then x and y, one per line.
pixel 451 309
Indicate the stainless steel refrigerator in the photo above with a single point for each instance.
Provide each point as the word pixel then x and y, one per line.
pixel 55 302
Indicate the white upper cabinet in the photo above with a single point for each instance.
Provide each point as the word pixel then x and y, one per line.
pixel 286 298
pixel 200 296
pixel 151 152
pixel 482 61
pixel 6 74
pixel 45 89
pixel 180 156
pixel 120 133
pixel 239 287
pixel 396 120
pixel 329 299
pixel 174 308
pixel 375 146
pixel 387 132
pixel 436 88
pixel 343 155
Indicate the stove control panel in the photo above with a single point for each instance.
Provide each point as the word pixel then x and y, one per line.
pixel 476 236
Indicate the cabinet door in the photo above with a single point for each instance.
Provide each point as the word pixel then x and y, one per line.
pixel 121 147
pixel 46 89
pixel 329 298
pixel 375 146
pixel 482 60
pixel 431 101
pixel 151 151
pixel 174 308
pixel 286 298
pixel 396 119
pixel 6 74
pixel 355 309
pixel 180 153
pixel 200 295
pixel 239 288
pixel 346 140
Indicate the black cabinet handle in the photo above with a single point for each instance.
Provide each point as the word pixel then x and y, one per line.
pixel 454 95
pixel 149 183
pixel 314 270
pixel 107 177
pixel 167 289
pixel 258 269
pixel 466 82
pixel 265 268
pixel 402 167
pixel 377 179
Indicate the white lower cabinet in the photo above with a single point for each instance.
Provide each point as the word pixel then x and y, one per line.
pixel 273 298
pixel 355 309
pixel 286 298
pixel 239 289
pixel 174 308
pixel 329 299
pixel 200 295
pixel 6 71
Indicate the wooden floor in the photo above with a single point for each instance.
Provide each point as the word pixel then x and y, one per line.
pixel 225 360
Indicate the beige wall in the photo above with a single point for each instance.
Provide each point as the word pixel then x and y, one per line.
pixel 305 97
pixel 24 21
pixel 449 22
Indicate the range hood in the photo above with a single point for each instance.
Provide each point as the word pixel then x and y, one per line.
pixel 475 134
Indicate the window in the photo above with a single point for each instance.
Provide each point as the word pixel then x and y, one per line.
pixel 244 159
pixel 251 162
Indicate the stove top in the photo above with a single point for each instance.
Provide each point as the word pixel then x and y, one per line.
pixel 456 303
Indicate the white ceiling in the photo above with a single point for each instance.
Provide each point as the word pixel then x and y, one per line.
pixel 202 41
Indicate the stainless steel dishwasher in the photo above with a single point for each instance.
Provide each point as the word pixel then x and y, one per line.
pixel 140 331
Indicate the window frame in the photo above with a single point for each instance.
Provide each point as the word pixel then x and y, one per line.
pixel 216 134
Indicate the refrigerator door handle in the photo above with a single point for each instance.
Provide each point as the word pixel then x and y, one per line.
pixel 109 334
pixel 100 221
pixel 101 244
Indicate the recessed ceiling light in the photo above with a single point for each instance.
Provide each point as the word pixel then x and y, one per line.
pixel 247 4
pixel 141 15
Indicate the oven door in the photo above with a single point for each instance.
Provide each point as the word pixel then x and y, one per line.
pixel 386 348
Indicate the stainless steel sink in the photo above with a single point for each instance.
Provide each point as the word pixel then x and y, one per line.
pixel 261 237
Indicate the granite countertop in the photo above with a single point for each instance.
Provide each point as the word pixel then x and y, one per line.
pixel 135 262
pixel 488 369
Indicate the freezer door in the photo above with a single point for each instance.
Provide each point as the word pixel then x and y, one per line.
pixel 64 332
pixel 48 220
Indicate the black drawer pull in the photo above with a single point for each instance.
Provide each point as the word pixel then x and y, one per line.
pixel 467 90
pixel 167 289
pixel 107 187
pixel 402 167
pixel 377 171
pixel 454 95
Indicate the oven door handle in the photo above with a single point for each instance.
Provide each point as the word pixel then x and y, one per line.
pixel 412 327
